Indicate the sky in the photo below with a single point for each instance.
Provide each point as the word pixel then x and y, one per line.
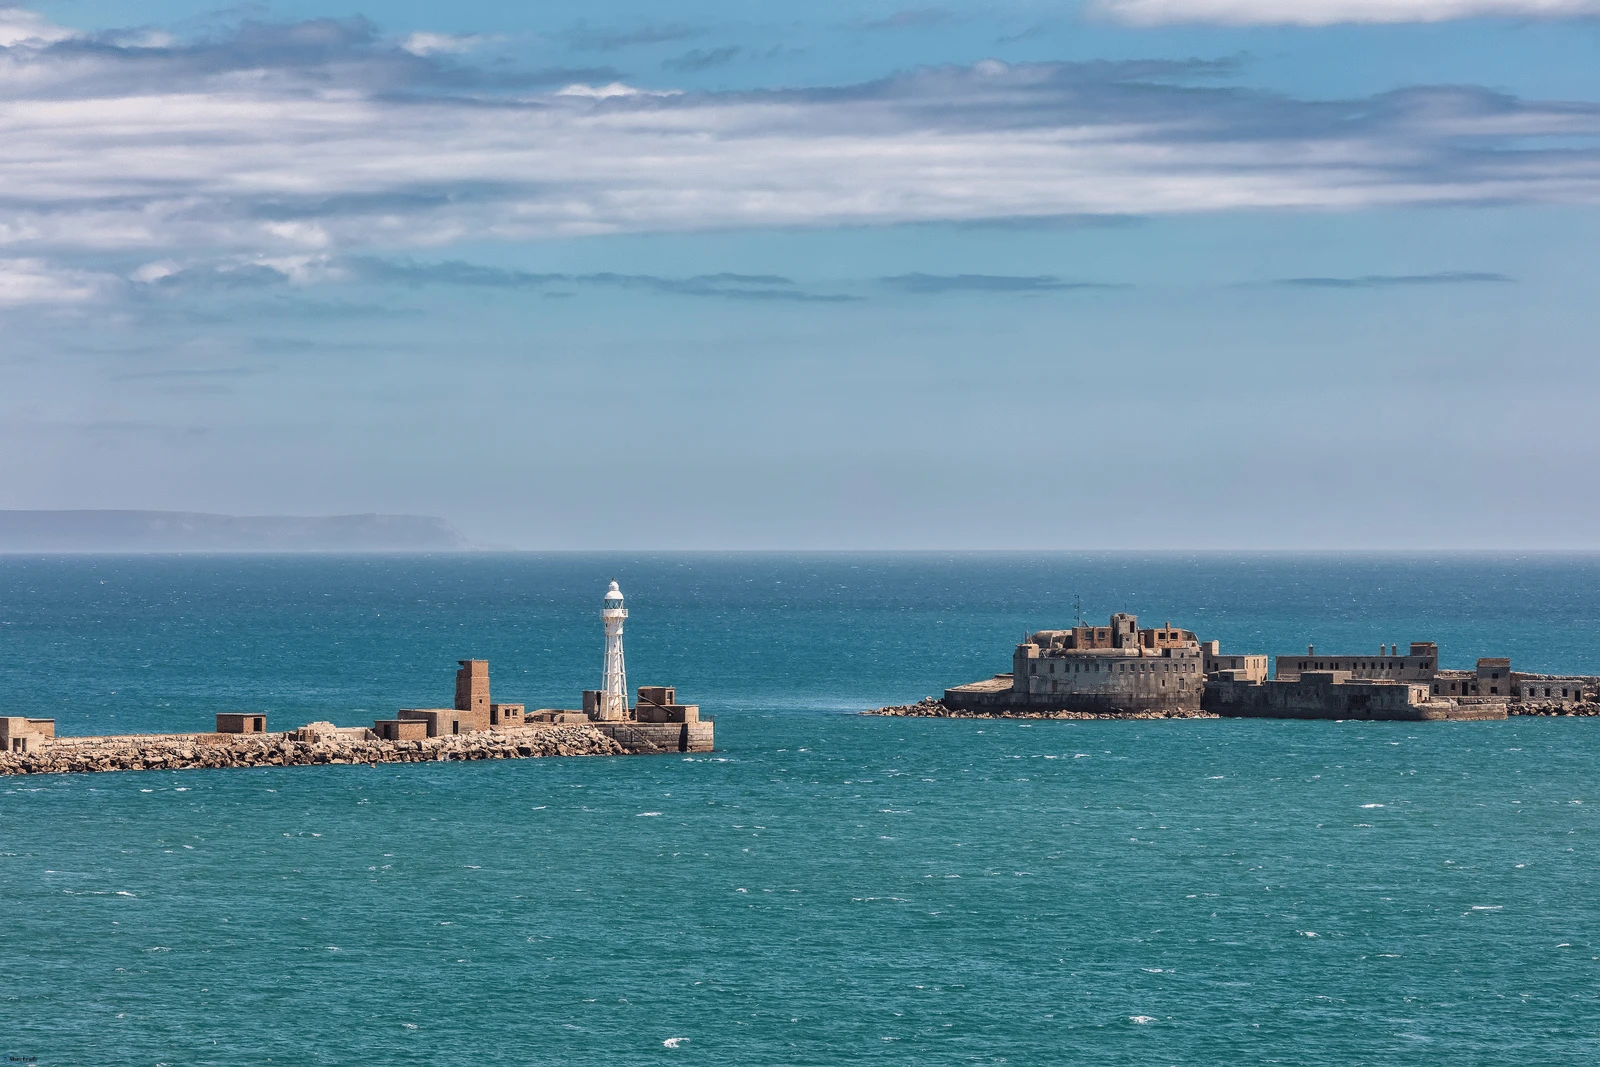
pixel 719 274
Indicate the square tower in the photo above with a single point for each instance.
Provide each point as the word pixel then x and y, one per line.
pixel 472 694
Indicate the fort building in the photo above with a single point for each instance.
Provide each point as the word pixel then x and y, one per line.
pixel 1418 665
pixel 1252 668
pixel 659 703
pixel 472 693
pixel 507 714
pixel 21 734
pixel 400 729
pixel 1492 679
pixel 1337 695
pixel 241 722
pixel 1114 668
pixel 1123 669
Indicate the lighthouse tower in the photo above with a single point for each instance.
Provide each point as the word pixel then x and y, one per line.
pixel 614 687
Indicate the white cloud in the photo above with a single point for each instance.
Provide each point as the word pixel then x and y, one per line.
pixel 611 90
pixel 33 281
pixel 21 27
pixel 272 153
pixel 428 44
pixel 1328 12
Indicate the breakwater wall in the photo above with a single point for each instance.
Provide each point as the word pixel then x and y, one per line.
pixel 186 751
pixel 929 708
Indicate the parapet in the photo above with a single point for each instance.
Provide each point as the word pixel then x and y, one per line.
pixel 556 715
pixel 312 732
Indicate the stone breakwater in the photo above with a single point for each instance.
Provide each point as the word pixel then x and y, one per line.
pixel 929 708
pixel 188 751
pixel 1582 708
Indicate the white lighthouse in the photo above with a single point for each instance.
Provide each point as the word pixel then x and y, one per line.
pixel 614 686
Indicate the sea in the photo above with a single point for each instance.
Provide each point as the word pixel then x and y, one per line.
pixel 825 888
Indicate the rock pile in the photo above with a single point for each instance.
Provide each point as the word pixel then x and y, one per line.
pixel 182 751
pixel 930 708
pixel 1586 707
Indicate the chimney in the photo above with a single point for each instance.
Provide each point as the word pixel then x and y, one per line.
pixel 1311 650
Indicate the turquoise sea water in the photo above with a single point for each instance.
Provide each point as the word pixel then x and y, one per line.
pixel 825 888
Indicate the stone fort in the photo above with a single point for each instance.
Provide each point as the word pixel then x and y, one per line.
pixel 1114 668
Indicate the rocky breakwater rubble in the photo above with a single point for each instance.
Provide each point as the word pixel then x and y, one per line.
pixel 328 745
pixel 930 708
pixel 1586 707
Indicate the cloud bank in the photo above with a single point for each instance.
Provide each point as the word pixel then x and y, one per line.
pixel 984 283
pixel 1328 12
pixel 1387 281
pixel 287 147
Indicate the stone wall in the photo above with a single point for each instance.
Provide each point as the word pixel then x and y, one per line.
pixel 1553 688
pixel 1333 695
pixel 1129 679
pixel 188 751
pixel 660 736
pixel 929 708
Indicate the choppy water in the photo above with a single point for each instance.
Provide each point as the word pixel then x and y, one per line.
pixel 825 888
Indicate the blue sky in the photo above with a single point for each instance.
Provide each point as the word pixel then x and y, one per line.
pixel 1142 273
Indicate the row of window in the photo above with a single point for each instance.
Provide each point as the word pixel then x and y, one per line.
pixel 1364 665
pixel 1078 668
pixel 1183 683
pixel 1527 690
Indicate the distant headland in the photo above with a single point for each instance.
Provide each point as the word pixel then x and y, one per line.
pixel 190 531
pixel 1121 671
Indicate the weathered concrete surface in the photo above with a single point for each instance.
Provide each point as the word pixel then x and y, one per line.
pixel 929 708
pixel 180 751
pixel 1335 695
pixel 651 737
